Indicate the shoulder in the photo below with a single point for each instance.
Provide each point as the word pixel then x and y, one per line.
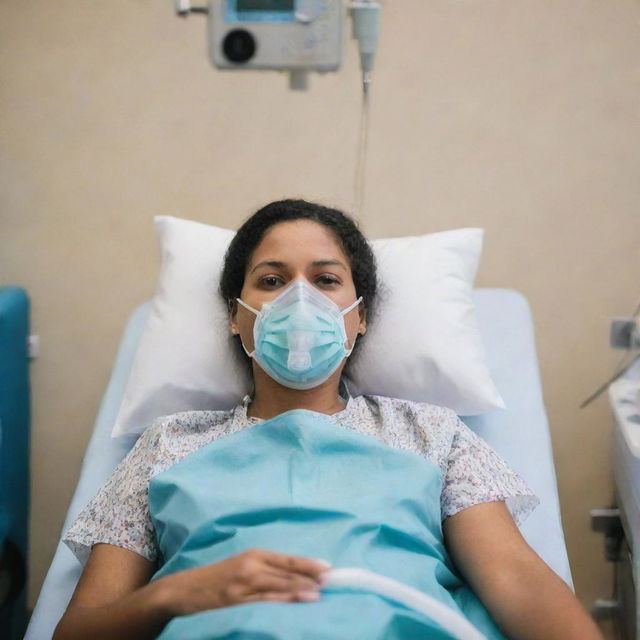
pixel 189 421
pixel 172 436
pixel 421 414
pixel 186 422
pixel 426 429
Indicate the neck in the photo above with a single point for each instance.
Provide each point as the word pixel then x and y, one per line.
pixel 271 399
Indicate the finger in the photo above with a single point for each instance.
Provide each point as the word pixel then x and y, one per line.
pixel 276 596
pixel 271 596
pixel 283 583
pixel 295 580
pixel 296 564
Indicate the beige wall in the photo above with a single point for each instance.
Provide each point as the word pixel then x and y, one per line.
pixel 520 117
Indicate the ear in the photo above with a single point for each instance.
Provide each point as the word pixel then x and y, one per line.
pixel 362 329
pixel 233 310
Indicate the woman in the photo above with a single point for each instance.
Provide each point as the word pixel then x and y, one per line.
pixel 219 508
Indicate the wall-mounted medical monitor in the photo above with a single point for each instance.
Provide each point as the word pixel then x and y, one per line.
pixel 284 35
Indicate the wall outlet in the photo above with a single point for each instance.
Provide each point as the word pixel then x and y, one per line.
pixel 624 333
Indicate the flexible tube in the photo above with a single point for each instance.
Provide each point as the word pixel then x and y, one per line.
pixel 361 579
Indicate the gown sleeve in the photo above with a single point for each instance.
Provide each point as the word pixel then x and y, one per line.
pixel 119 513
pixel 475 473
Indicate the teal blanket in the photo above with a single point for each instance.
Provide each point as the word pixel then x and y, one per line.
pixel 300 485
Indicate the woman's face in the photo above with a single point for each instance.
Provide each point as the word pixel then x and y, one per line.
pixel 304 250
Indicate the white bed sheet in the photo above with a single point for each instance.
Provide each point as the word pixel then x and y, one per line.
pixel 520 434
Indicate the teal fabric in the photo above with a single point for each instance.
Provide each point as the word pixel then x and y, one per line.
pixel 14 415
pixel 299 484
pixel 14 446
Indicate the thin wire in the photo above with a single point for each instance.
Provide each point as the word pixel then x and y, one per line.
pixel 625 367
pixel 611 380
pixel 361 162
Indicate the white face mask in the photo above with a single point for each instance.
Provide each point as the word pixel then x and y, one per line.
pixel 300 337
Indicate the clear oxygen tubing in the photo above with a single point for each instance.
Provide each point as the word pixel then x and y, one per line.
pixel 361 579
pixel 361 158
pixel 365 17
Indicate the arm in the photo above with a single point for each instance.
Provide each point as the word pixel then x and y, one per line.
pixel 114 598
pixel 526 598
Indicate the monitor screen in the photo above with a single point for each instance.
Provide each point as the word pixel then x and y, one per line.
pixel 243 6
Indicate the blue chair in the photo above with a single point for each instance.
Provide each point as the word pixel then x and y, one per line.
pixel 14 459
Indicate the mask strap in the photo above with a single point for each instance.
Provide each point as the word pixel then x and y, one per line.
pixel 344 313
pixel 246 306
pixel 245 349
pixel 349 308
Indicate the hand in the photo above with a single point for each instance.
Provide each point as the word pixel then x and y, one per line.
pixel 256 574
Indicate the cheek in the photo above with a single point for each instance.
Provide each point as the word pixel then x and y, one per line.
pixel 245 327
pixel 352 325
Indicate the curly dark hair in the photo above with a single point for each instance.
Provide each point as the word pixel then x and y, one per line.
pixel 345 230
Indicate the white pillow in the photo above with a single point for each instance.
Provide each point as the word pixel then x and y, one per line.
pixel 423 344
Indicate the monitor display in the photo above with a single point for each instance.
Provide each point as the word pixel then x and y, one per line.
pixel 243 6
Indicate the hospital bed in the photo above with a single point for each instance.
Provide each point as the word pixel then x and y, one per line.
pixel 520 435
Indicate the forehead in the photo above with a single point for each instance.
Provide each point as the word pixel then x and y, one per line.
pixel 298 241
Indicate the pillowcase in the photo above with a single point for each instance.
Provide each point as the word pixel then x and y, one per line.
pixel 423 343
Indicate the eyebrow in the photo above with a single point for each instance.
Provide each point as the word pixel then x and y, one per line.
pixel 282 265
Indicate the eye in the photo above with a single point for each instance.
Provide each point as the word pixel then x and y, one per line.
pixel 270 282
pixel 326 280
